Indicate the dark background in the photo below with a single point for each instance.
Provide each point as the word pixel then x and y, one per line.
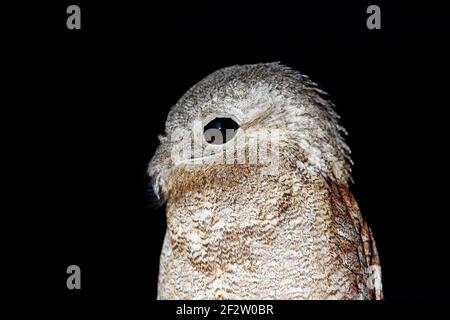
pixel 106 90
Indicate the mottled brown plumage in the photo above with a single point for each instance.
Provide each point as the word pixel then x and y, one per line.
pixel 283 227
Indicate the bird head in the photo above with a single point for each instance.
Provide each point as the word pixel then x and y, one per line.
pixel 242 117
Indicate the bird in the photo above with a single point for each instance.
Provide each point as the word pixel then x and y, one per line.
pixel 255 175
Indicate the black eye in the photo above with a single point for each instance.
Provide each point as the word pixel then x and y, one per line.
pixel 220 130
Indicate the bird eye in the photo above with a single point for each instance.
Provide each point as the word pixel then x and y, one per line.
pixel 220 130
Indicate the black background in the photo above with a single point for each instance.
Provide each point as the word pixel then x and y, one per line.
pixel 106 90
